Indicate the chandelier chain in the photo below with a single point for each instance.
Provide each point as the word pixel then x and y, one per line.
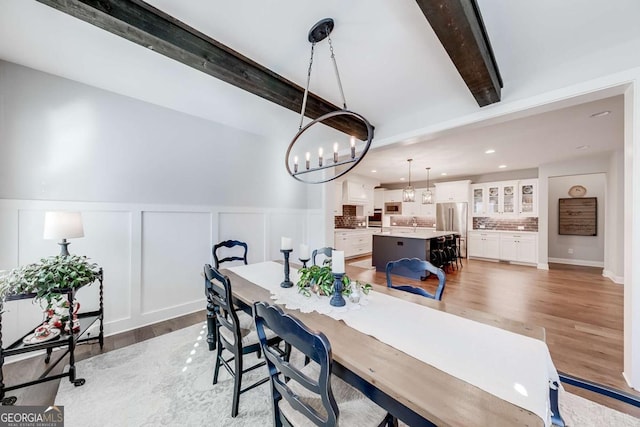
pixel 306 89
pixel 335 67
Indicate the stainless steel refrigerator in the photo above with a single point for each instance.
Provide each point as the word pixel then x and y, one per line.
pixel 453 217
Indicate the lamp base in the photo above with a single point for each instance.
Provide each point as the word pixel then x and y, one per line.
pixel 64 247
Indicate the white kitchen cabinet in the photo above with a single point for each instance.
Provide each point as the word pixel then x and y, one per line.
pixel 354 243
pixel 337 203
pixel 392 196
pixel 356 193
pixel 528 197
pixel 454 191
pixel 519 247
pixel 411 208
pixel 378 198
pixel 483 245
pixel 478 200
pixel 428 210
pixel 502 198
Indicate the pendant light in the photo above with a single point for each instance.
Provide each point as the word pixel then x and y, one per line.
pixel 409 193
pixel 353 149
pixel 427 195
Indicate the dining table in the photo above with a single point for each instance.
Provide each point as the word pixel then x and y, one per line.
pixel 426 362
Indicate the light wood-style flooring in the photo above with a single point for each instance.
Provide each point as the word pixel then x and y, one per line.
pixel 581 311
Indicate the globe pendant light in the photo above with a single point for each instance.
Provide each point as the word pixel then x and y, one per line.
pixel 409 193
pixel 346 154
pixel 427 195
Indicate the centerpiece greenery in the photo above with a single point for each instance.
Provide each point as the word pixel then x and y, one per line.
pixel 319 280
pixel 47 277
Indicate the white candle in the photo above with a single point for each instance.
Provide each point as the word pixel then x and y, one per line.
pixel 335 152
pixel 337 262
pixel 285 243
pixel 353 147
pixel 320 152
pixel 295 164
pixel 304 251
pixel 307 158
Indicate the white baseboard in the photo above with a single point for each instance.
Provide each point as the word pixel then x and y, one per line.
pixel 582 262
pixel 615 279
pixel 543 266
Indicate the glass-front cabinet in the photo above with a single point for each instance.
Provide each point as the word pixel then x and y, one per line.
pixel 505 198
pixel 528 197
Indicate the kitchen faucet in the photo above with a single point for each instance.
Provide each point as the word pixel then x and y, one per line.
pixel 414 220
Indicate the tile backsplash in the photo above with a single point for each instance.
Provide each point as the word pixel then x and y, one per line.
pixel 407 221
pixel 505 224
pixel 349 218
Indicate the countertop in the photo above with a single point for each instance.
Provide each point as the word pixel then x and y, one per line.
pixel 418 234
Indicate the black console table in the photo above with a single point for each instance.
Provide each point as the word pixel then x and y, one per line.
pixel 68 340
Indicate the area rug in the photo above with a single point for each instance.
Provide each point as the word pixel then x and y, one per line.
pixel 363 264
pixel 167 381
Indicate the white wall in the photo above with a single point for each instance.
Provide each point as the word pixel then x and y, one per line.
pixel 152 255
pixel 63 140
pixel 586 250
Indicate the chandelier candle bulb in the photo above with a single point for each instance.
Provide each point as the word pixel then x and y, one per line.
pixel 353 147
pixel 337 262
pixel 286 244
pixel 308 157
pixel 320 152
pixel 335 152
pixel 295 164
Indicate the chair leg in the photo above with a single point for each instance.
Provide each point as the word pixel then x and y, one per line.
pixel 218 363
pixel 237 383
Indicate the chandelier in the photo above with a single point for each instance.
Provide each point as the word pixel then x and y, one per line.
pixel 409 193
pixel 427 195
pixel 346 153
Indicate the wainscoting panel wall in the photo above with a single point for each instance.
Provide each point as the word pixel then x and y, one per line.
pixel 152 255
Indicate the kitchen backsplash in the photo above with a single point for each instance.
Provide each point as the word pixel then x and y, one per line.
pixel 349 218
pixel 506 224
pixel 407 221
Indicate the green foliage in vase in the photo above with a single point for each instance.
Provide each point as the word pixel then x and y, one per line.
pixel 320 280
pixel 47 277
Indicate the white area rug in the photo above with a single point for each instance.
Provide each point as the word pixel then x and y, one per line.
pixel 363 264
pixel 167 381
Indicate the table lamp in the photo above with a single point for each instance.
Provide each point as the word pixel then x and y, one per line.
pixel 63 225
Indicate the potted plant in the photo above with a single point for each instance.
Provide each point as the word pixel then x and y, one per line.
pixel 319 280
pixel 46 278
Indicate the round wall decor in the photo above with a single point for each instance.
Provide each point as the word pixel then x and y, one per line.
pixel 577 191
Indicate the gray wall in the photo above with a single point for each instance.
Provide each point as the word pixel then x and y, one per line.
pixel 586 249
pixel 63 140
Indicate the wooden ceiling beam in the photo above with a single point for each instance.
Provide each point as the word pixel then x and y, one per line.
pixel 148 26
pixel 459 26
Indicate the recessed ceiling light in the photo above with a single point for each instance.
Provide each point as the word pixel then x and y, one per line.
pixel 490 151
pixel 583 147
pixel 600 114
pixel 502 166
pixel 443 174
pixel 373 171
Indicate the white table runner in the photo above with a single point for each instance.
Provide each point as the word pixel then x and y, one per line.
pixel 513 367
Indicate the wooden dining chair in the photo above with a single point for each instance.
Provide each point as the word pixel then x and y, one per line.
pixel 235 337
pixel 310 395
pixel 417 265
pixel 228 244
pixel 327 251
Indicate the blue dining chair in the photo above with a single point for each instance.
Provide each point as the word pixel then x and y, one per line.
pixel 322 251
pixel 417 265
pixel 228 244
pixel 310 395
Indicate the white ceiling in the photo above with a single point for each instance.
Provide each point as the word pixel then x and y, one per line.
pixel 393 68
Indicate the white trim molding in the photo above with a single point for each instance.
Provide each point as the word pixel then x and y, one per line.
pixel 615 279
pixel 583 262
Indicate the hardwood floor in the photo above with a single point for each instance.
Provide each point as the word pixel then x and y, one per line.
pixel 581 311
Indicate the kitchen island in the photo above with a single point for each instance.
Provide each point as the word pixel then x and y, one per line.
pixel 393 245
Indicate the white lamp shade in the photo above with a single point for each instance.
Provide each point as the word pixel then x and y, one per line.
pixel 63 225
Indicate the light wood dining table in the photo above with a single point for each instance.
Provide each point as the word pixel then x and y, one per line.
pixel 413 391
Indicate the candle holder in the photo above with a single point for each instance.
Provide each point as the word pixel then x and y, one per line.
pixel 304 262
pixel 286 283
pixel 337 300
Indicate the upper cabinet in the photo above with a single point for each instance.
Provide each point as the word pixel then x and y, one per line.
pixel 337 202
pixel 393 196
pixel 378 198
pixel 505 198
pixel 453 191
pixel 528 197
pixel 356 193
